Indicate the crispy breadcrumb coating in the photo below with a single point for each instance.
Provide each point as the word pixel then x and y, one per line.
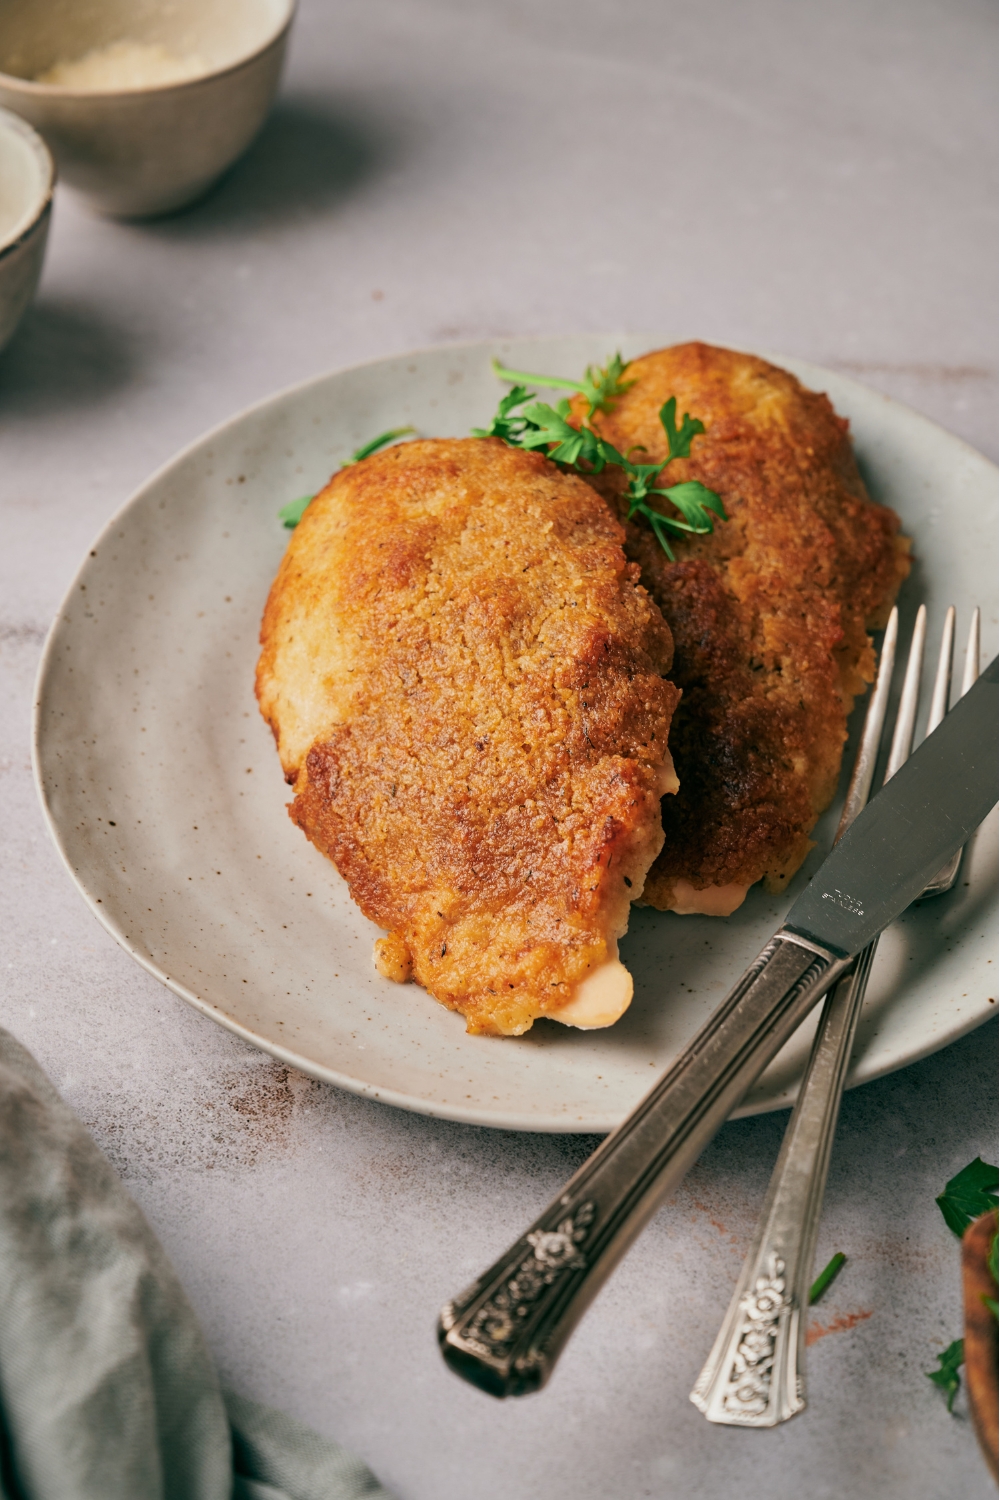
pixel 769 614
pixel 466 684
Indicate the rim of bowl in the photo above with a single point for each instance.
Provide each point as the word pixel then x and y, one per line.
pixel 23 226
pixel 58 91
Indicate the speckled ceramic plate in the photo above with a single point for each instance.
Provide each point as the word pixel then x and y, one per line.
pixel 164 795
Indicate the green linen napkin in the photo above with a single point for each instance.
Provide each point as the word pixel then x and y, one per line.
pixel 107 1390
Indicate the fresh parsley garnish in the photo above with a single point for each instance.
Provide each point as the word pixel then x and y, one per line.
pixel 679 438
pixel 384 438
pixel 600 385
pixel 541 426
pixel 538 426
pixel 825 1276
pixel 292 513
pixel 948 1377
pixel 971 1193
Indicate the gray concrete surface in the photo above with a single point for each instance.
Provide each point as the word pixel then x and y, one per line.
pixel 813 178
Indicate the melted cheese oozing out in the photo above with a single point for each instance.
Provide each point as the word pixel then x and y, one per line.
pixel 392 958
pixel 668 783
pixel 713 901
pixel 607 993
pixel 600 998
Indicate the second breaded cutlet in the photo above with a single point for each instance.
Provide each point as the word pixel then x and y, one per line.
pixel 770 614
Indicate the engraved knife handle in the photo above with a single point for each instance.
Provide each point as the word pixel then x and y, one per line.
pixel 754 1376
pixel 506 1331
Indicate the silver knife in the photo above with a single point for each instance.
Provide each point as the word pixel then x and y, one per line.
pixel 506 1331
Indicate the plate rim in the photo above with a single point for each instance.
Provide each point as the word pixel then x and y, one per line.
pixel 414 1104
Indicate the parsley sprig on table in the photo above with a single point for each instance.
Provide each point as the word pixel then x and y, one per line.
pixel 829 1272
pixel 292 513
pixel 948 1378
pixel 523 422
pixel 970 1193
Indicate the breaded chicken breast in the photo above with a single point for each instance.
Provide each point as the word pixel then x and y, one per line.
pixel 466 683
pixel 769 614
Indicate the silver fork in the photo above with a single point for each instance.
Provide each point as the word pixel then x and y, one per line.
pixel 755 1374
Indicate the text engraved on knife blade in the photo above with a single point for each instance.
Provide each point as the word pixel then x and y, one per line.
pixel 848 902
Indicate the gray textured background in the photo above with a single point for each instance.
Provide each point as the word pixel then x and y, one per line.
pixel 816 178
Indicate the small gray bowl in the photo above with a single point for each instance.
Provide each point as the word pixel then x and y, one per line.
pixel 27 177
pixel 137 151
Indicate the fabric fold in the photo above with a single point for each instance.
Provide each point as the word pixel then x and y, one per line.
pixel 107 1388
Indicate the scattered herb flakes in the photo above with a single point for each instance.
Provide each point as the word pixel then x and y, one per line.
pixel 971 1193
pixel 948 1377
pixel 828 1274
pixel 292 513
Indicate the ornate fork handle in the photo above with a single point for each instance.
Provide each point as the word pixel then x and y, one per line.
pixel 755 1374
pixel 506 1331
pixel 752 1378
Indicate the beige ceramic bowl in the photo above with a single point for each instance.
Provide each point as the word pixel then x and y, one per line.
pixel 27 175
pixel 138 151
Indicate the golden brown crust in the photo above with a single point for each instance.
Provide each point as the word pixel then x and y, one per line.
pixel 464 678
pixel 768 614
pixel 978 1290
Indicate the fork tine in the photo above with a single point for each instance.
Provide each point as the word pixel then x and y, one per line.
pixel 942 682
pixel 906 718
pixel 945 878
pixel 871 735
pixel 971 654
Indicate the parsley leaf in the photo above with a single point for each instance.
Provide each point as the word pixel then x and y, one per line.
pixel 971 1193
pixel 547 424
pixel 292 513
pixel 505 425
pixel 547 428
pixel 542 426
pixel 679 439
pixel 692 499
pixel 600 385
pixel 367 449
pixel 948 1377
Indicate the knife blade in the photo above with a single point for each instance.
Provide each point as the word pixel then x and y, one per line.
pixel 505 1332
pixel 886 857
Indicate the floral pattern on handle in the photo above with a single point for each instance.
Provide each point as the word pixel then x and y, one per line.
pixel 496 1326
pixel 748 1387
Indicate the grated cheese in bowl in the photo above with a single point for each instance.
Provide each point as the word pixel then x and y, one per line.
pixel 123 65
